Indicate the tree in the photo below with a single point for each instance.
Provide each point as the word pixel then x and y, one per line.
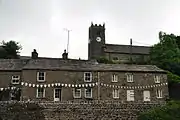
pixel 168 112
pixel 166 53
pixel 10 50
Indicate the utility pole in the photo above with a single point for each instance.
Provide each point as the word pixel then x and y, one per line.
pixel 68 31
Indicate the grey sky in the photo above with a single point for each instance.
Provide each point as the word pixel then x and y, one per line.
pixel 39 23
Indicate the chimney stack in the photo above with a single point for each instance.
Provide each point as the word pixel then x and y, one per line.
pixel 34 54
pixel 65 55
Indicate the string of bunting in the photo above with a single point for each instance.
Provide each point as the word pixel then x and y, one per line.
pixel 133 87
pixel 59 84
pixel 83 85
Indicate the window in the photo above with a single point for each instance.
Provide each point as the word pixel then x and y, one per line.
pixel 115 93
pixel 15 79
pixel 40 93
pixel 87 76
pixel 77 93
pixel 129 77
pixel 41 76
pixel 114 78
pixel 157 79
pixel 88 93
pixel 130 95
pixel 159 93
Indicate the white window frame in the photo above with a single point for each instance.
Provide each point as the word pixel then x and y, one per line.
pixel 157 78
pixel 115 93
pixel 37 93
pixel 114 78
pixel 86 92
pixel 15 79
pixel 159 93
pixel 38 75
pixel 74 92
pixel 130 94
pixel 129 77
pixel 85 80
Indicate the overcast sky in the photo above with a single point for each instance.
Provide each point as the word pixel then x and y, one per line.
pixel 38 24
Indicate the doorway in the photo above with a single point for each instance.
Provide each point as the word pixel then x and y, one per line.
pixel 146 95
pixel 57 94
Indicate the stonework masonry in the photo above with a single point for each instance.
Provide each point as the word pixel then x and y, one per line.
pixel 73 110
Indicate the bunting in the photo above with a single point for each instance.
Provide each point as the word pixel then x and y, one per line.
pixel 82 86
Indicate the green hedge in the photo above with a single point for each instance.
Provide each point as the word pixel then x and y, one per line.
pixel 171 111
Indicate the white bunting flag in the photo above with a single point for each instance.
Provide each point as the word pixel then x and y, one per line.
pixel 45 85
pixel 22 83
pixel 26 84
pixel 34 85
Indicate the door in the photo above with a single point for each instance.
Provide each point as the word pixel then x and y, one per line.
pixel 57 94
pixel 146 95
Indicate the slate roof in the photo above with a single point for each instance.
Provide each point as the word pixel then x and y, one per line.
pixel 85 65
pixel 126 49
pixel 12 64
pixel 71 64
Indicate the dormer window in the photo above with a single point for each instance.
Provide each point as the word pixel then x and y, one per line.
pixel 15 79
pixel 157 78
pixel 87 77
pixel 129 77
pixel 41 76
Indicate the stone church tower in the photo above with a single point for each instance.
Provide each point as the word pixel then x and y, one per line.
pixel 96 41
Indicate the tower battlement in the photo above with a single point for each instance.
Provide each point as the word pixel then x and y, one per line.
pixel 98 25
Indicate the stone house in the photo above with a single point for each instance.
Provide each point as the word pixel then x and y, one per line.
pixel 97 47
pixel 62 79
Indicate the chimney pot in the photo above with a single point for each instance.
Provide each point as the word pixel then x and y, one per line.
pixel 34 54
pixel 65 55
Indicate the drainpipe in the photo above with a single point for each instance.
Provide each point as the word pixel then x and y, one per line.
pixel 98 87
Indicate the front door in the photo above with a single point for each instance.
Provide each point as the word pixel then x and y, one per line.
pixel 146 95
pixel 57 94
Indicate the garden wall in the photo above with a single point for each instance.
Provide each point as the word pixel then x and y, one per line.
pixel 71 110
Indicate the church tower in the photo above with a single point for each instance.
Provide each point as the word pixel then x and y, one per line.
pixel 96 41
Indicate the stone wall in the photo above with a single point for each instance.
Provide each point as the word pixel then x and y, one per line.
pixel 73 110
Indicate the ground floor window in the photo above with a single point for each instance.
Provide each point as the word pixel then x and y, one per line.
pixel 115 93
pixel 77 93
pixel 159 93
pixel 40 93
pixel 88 93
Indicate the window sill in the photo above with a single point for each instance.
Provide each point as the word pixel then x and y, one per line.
pixel 114 81
pixel 40 80
pixel 159 97
pixel 40 97
pixel 87 81
pixel 116 97
pixel 88 97
pixel 77 97
pixel 130 81
pixel 15 83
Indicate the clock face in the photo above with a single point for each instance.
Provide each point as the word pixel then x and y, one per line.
pixel 98 39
